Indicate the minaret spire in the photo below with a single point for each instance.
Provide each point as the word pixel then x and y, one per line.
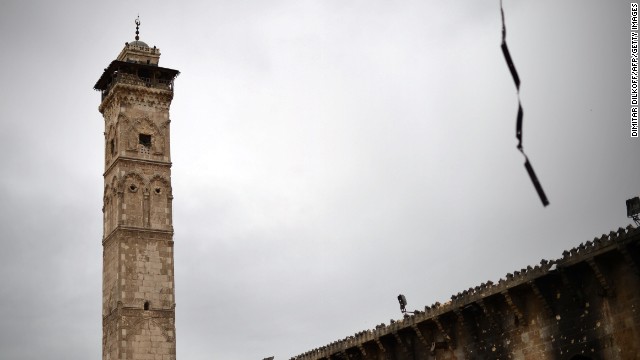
pixel 137 28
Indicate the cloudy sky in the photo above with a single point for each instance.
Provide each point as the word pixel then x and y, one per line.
pixel 327 156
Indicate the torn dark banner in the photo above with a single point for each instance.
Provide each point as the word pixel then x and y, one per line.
pixel 516 79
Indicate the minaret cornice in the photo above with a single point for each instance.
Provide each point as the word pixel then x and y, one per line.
pixel 124 159
pixel 131 93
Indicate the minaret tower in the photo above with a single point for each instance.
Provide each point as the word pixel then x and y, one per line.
pixel 138 302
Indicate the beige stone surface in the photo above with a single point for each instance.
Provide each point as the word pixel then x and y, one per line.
pixel 138 280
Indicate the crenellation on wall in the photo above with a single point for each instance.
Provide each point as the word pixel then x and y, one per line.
pixel 585 303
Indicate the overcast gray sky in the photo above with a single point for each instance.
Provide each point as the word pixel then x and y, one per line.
pixel 327 156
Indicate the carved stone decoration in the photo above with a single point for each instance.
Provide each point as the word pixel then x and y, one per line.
pixel 110 112
pixel 160 203
pixel 157 146
pixel 132 139
pixel 133 200
pixel 110 144
pixel 112 218
pixel 147 127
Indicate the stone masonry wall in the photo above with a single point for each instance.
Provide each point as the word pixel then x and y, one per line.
pixel 138 295
pixel 585 305
pixel 146 270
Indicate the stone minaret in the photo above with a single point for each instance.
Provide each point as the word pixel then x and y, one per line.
pixel 138 303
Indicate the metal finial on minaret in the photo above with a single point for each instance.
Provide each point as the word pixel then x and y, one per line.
pixel 137 28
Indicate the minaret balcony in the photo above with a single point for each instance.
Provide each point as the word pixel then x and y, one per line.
pixel 132 79
pixel 136 74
